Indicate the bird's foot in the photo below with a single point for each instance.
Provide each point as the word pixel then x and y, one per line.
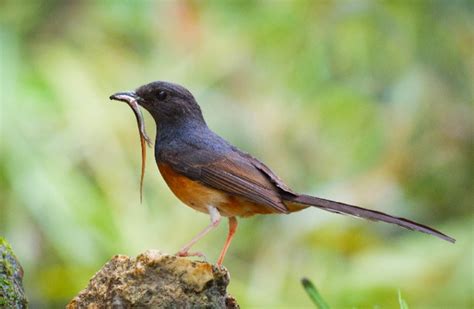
pixel 184 253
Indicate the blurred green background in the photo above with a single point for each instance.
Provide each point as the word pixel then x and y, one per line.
pixel 366 102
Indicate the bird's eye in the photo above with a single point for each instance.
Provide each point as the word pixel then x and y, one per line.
pixel 162 95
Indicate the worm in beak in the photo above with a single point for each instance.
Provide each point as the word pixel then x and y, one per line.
pixel 132 100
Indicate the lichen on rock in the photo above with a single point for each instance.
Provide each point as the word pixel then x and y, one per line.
pixel 156 280
pixel 12 294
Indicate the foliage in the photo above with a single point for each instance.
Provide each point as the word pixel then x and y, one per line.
pixel 367 102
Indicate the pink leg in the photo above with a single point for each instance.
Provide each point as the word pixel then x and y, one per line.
pixel 232 229
pixel 215 220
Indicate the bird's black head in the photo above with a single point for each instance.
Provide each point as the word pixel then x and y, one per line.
pixel 168 103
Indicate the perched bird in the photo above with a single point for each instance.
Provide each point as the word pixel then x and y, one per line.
pixel 212 176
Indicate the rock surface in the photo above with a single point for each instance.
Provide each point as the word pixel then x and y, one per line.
pixel 156 280
pixel 12 294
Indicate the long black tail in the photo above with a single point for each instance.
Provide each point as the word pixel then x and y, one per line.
pixel 360 212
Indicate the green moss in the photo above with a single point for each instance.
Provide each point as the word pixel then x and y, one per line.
pixel 4 243
pixel 11 286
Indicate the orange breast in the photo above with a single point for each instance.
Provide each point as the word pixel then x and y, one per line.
pixel 199 196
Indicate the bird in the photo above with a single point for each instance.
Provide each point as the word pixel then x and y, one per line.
pixel 210 175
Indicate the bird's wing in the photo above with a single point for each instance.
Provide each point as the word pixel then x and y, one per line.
pixel 268 173
pixel 230 172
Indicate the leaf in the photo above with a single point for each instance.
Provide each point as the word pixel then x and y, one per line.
pixel 314 294
pixel 403 304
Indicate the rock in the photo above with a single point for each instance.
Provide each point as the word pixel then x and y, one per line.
pixel 12 294
pixel 156 280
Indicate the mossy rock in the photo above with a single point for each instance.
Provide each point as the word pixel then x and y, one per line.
pixel 12 294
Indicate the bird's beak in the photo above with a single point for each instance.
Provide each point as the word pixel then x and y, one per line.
pixel 127 97
pixel 132 99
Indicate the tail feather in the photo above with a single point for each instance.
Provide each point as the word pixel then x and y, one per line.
pixel 374 215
